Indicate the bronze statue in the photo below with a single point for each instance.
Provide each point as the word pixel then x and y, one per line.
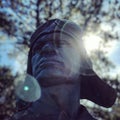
pixel 58 60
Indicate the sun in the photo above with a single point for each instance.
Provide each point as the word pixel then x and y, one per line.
pixel 92 43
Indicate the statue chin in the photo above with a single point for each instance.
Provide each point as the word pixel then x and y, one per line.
pixel 53 76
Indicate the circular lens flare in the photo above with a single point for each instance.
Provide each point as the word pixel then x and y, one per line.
pixel 27 88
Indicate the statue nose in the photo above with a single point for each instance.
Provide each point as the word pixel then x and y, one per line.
pixel 48 49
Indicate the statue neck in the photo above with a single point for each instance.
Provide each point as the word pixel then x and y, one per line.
pixel 65 97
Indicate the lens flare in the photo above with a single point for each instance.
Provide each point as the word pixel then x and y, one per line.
pixel 27 88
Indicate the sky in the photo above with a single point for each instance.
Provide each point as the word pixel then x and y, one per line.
pixel 11 58
pixel 114 56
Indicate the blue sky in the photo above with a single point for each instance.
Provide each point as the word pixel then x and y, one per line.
pixel 115 54
pixel 10 57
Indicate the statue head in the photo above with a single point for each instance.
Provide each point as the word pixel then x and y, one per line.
pixel 57 56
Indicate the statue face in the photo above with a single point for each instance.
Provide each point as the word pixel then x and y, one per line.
pixel 57 59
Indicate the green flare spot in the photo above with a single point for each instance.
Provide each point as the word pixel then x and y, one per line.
pixel 26 88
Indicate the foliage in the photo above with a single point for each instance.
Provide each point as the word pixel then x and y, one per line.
pixel 19 18
pixel 7 98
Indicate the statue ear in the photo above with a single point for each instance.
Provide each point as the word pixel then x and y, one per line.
pixel 96 90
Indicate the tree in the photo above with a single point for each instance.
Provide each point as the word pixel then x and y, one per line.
pixel 20 18
pixel 7 98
